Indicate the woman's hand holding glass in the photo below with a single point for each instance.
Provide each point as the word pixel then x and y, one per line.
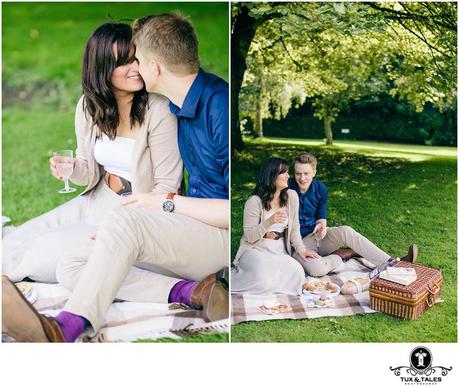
pixel 52 166
pixel 278 217
pixel 61 166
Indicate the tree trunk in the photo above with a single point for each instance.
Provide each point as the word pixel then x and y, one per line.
pixel 328 130
pixel 244 29
pixel 241 38
pixel 259 118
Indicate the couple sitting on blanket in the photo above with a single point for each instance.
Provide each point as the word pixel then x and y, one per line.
pixel 286 233
pixel 146 106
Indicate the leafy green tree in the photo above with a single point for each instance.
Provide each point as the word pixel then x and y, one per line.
pixel 434 23
pixel 333 67
pixel 292 17
pixel 244 26
pixel 336 53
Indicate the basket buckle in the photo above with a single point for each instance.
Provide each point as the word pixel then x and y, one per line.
pixel 432 292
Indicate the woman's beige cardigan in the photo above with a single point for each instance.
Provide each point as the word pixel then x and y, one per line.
pixel 156 162
pixel 255 227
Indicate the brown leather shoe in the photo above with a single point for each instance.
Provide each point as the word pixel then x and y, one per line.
pixel 22 322
pixel 346 254
pixel 211 296
pixel 413 252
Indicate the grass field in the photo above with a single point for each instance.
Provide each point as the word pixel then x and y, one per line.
pixel 393 194
pixel 42 53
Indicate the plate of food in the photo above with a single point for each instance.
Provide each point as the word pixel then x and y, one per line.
pixel 321 287
pixel 275 309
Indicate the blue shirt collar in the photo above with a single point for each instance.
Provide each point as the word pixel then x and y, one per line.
pixel 294 185
pixel 191 100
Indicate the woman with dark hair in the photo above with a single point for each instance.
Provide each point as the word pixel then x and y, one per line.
pixel 264 262
pixel 126 142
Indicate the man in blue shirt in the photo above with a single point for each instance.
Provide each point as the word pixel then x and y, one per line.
pixel 183 240
pixel 324 243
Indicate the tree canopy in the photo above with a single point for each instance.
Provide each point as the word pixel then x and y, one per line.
pixel 340 52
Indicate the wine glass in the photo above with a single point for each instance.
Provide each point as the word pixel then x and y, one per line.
pixel 317 237
pixel 64 166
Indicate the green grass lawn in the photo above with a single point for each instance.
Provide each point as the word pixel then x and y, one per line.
pixel 42 54
pixel 393 194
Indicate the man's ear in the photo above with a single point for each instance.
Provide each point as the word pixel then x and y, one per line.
pixel 156 67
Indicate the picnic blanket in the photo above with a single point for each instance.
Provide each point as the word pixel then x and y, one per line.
pixel 129 321
pixel 246 307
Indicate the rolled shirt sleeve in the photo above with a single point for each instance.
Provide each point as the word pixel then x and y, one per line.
pixel 321 211
pixel 220 127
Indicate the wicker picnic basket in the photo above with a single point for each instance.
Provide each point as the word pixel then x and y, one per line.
pixel 407 301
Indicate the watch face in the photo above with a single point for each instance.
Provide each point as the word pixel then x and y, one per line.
pixel 168 206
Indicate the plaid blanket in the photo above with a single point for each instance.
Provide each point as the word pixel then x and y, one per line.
pixel 129 321
pixel 246 307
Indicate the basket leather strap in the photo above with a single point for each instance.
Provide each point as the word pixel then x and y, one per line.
pixel 435 289
pixel 432 292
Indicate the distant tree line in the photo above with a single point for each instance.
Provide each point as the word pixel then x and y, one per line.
pixel 383 118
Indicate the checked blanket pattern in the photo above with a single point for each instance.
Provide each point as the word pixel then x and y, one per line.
pixel 246 307
pixel 130 321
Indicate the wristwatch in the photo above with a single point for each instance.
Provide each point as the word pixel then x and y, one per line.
pixel 168 203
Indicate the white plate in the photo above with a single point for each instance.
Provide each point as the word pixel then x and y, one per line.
pixel 327 292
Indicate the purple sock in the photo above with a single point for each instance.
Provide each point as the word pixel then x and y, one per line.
pixel 72 325
pixel 339 254
pixel 181 291
pixel 381 267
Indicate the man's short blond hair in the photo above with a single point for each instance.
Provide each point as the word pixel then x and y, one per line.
pixel 170 38
pixel 306 158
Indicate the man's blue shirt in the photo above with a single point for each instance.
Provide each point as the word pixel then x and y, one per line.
pixel 313 204
pixel 203 136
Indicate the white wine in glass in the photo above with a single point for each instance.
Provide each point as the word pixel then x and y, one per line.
pixel 64 165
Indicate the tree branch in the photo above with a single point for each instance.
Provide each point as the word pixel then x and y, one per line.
pixel 410 15
pixel 298 65
pixel 423 39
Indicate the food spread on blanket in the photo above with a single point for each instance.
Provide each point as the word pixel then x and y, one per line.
pixel 27 291
pixel 274 309
pixel 319 287
pixel 318 301
pixel 320 294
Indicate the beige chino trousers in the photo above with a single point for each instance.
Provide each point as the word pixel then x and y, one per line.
pixel 174 246
pixel 335 238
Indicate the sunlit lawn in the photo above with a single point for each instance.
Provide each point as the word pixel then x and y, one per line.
pixel 42 54
pixel 412 152
pixel 393 194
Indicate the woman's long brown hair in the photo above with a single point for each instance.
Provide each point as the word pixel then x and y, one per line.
pixel 266 182
pixel 99 61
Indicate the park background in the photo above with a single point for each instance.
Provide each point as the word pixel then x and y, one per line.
pixel 41 78
pixel 301 72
